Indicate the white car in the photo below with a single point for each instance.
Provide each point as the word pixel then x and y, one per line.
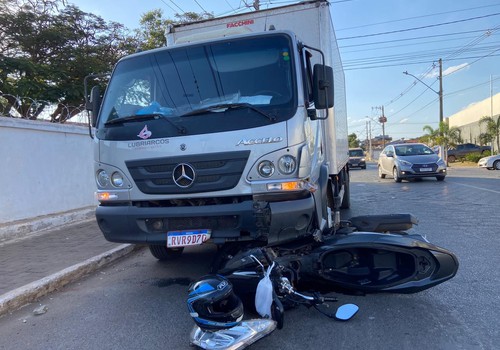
pixel 490 163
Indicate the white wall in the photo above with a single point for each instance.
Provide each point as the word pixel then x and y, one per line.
pixel 45 168
pixel 476 111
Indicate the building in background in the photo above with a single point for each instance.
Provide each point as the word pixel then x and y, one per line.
pixel 467 120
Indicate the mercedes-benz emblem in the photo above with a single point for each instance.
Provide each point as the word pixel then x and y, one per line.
pixel 183 175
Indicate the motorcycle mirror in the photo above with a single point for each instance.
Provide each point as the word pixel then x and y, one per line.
pixel 346 312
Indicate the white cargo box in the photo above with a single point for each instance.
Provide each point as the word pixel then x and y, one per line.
pixel 311 22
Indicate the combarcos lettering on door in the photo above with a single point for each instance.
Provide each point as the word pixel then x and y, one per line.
pixel 142 143
pixel 259 141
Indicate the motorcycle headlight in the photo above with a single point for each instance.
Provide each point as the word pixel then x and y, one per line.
pixel 102 178
pixel 287 164
pixel 266 168
pixel 117 179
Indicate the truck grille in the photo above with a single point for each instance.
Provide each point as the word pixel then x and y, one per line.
pixel 190 223
pixel 204 173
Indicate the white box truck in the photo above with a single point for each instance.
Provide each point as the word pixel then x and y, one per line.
pixel 236 131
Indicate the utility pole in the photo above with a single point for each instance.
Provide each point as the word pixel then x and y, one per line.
pixel 440 91
pixel 382 120
pixel 370 138
pixel 255 4
pixel 366 143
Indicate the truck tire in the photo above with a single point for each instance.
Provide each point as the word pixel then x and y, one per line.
pixel 346 200
pixel 163 253
pixel 451 159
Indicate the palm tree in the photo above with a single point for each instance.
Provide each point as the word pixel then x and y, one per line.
pixel 492 128
pixel 443 136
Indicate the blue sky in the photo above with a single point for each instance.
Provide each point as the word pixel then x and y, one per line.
pixel 464 34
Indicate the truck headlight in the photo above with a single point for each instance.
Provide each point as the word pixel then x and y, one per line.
pixel 266 168
pixel 287 164
pixel 102 178
pixel 117 179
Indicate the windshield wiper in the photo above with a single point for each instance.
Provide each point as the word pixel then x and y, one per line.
pixel 226 106
pixel 139 117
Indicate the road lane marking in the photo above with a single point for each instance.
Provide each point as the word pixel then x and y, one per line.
pixel 475 187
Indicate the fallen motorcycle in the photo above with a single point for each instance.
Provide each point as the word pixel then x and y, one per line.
pixel 386 259
pixel 367 254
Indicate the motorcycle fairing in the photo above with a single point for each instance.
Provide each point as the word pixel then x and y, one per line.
pixel 358 262
pixel 376 262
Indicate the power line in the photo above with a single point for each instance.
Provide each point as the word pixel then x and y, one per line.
pixel 448 58
pixel 168 5
pixel 172 1
pixel 409 44
pixel 414 38
pixel 421 27
pixel 447 94
pixel 228 4
pixel 480 58
pixel 415 17
pixel 448 53
pixel 471 87
pixel 392 115
pixel 413 63
pixel 196 1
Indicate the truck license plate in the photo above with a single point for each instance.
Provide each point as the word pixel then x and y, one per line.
pixel 187 238
pixel 425 169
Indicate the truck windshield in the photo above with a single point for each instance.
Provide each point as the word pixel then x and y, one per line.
pixel 184 83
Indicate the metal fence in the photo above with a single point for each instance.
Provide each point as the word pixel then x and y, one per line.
pixel 28 108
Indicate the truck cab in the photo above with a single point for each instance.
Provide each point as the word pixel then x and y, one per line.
pixel 219 140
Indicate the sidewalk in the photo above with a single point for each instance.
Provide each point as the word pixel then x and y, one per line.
pixel 33 266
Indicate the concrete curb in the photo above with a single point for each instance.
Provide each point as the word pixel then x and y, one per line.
pixel 29 293
pixel 26 228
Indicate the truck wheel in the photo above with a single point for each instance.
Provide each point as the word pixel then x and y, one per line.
pixel 451 159
pixel 163 253
pixel 346 200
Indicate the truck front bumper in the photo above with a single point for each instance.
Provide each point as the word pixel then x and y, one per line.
pixel 248 220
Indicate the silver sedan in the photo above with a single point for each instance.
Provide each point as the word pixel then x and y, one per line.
pixel 410 161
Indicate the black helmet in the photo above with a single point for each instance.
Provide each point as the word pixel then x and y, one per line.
pixel 213 304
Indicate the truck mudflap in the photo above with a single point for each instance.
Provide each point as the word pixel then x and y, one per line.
pixel 248 220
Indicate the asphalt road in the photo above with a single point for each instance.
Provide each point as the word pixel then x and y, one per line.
pixel 139 303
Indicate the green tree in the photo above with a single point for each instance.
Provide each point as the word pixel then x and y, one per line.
pixel 47 49
pixel 153 26
pixel 151 33
pixel 492 129
pixel 443 135
pixel 353 140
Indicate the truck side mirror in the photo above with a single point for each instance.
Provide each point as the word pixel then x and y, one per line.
pixel 322 86
pixel 94 104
